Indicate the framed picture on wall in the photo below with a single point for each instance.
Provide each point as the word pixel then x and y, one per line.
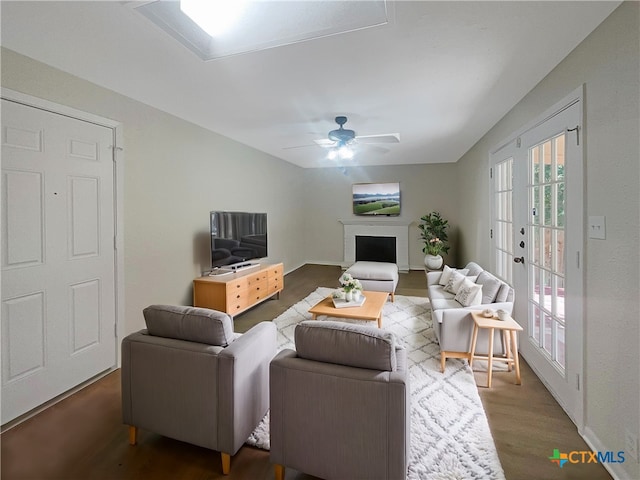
pixel 376 199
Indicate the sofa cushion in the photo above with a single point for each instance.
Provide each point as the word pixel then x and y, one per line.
pixel 469 293
pixel 200 325
pixel 474 268
pixel 373 271
pixel 444 304
pixel 437 291
pixel 447 272
pixel 346 344
pixel 503 293
pixel 453 285
pixel 490 286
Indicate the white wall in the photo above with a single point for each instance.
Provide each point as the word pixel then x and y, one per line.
pixel 175 173
pixel 607 62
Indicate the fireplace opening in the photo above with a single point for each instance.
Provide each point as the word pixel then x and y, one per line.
pixel 375 249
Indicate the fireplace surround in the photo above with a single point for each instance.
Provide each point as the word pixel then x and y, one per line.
pixel 398 229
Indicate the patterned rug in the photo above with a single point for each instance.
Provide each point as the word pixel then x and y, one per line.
pixel 450 436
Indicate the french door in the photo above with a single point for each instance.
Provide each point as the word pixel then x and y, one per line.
pixel 546 246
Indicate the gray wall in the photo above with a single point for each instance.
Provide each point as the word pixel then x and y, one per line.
pixel 175 173
pixel 607 63
pixel 423 188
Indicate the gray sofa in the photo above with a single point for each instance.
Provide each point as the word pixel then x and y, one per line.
pixel 340 403
pixel 188 376
pixel 452 322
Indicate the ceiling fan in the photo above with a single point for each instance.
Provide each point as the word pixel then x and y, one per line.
pixel 341 139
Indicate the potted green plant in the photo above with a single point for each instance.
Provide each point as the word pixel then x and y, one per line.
pixel 433 231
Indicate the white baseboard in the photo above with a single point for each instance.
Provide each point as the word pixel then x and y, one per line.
pixel 616 470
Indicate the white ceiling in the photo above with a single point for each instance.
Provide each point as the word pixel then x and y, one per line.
pixel 441 74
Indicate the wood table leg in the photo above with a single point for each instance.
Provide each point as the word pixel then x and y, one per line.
pixel 516 360
pixel 474 339
pixel 314 316
pixel 133 435
pixel 507 345
pixel 279 471
pixel 490 359
pixel 380 321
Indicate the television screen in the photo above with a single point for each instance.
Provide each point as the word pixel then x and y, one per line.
pixel 237 237
pixel 376 199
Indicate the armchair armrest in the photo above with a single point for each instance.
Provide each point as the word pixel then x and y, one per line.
pixel 244 372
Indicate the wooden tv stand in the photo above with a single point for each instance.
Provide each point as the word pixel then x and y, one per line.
pixel 237 292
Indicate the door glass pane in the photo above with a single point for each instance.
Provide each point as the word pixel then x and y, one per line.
pixel 560 345
pixel 546 260
pixel 548 199
pixel 559 160
pixel 535 323
pixel 535 166
pixel 546 152
pixel 559 266
pixel 547 338
pixel 535 208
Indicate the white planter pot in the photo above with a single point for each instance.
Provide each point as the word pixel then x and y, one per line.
pixel 433 262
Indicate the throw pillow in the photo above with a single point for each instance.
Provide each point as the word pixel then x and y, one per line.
pixel 453 285
pixel 448 271
pixel 469 294
pixel 490 286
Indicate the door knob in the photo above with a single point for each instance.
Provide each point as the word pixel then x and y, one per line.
pixel 522 244
pixel 519 259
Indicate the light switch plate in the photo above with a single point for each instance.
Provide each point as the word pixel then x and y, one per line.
pixel 597 227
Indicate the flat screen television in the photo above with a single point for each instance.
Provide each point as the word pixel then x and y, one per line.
pixel 237 237
pixel 376 199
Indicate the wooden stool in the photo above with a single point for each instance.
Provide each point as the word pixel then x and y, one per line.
pixel 509 327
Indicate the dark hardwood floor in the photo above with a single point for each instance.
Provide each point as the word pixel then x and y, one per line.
pixel 82 437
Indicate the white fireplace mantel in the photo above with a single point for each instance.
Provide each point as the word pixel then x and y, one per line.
pixel 377 228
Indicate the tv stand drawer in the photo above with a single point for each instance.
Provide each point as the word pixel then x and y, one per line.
pixel 233 294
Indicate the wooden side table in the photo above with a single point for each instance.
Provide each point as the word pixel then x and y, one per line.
pixel 509 327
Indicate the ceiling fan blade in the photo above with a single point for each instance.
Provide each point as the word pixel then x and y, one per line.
pixel 368 147
pixel 381 138
pixel 299 146
pixel 325 142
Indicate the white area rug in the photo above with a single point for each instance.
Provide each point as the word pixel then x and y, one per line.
pixel 450 436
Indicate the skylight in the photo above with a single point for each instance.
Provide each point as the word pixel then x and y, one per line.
pixel 215 17
pixel 259 24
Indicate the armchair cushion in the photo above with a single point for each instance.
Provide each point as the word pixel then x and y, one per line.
pixel 191 324
pixel 346 344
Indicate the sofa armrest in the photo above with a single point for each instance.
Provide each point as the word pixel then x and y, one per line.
pixel 433 278
pixel 243 396
pixel 455 327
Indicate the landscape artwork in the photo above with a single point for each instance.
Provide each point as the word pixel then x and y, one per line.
pixel 376 199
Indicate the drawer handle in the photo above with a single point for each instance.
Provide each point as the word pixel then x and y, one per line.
pixel 257 288
pixel 237 296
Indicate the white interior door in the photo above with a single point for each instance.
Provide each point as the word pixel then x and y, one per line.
pixel 58 281
pixel 548 244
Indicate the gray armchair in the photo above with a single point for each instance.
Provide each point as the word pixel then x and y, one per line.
pixel 340 403
pixel 191 378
